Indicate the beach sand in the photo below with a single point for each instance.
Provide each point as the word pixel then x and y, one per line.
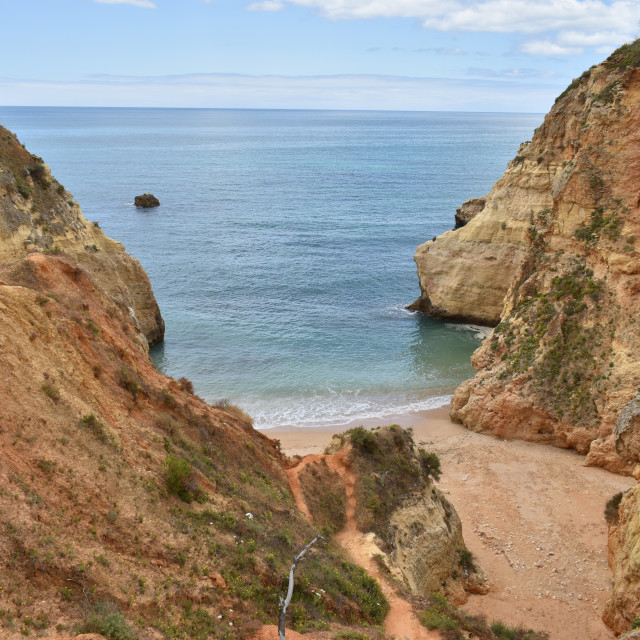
pixel 532 516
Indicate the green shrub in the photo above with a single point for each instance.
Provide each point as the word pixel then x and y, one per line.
pixel 635 623
pixel 611 508
pixel 181 480
pixel 363 440
pixel 430 464
pixel 51 391
pixel 37 171
pixel 127 380
pixel 104 619
pixel 465 559
pixel 167 399
pixel 92 422
pixel 503 631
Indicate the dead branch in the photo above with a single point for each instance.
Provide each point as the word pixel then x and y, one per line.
pixel 284 602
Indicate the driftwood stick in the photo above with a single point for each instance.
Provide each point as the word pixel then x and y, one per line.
pixel 284 602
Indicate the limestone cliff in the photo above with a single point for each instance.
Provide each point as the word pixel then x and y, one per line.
pixel 123 496
pixel 553 256
pixel 416 530
pixel 624 557
pixel 38 214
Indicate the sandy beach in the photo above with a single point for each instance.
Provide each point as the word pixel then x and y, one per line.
pixel 532 516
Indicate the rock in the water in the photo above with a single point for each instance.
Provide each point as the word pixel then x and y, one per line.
pixel 146 200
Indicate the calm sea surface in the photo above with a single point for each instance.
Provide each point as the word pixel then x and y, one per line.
pixel 282 253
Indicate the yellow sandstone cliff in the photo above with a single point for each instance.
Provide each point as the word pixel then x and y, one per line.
pixel 553 259
pixel 38 214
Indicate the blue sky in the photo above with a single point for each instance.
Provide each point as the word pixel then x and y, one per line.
pixel 469 55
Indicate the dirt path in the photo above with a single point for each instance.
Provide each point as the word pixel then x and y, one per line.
pixel 401 621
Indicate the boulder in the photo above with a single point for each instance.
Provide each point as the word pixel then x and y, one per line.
pixel 146 201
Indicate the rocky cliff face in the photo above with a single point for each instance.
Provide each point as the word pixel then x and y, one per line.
pixel 38 214
pixel 123 496
pixel 415 528
pixel 554 257
pixel 624 557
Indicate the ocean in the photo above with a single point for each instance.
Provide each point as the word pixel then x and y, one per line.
pixel 282 252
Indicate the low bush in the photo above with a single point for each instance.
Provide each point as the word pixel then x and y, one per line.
pixel 611 508
pixel 181 480
pixel 106 620
pixel 93 424
pixel 51 391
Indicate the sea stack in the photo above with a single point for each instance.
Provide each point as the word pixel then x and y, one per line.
pixel 146 201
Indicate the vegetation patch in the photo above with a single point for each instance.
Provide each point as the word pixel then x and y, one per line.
pixel 625 57
pixel 105 619
pixel 51 391
pixel 455 624
pixel 95 426
pixel 325 496
pixel 181 480
pixel 388 467
pixel 611 512
pixel 602 223
pixel 556 338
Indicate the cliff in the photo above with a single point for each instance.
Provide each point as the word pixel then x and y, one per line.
pixel 552 258
pixel 38 214
pixel 414 528
pixel 129 506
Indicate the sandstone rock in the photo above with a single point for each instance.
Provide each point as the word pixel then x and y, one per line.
pixel 428 534
pixel 469 210
pixel 627 431
pixel 37 214
pixel 624 557
pixel 146 201
pixel 218 581
pixel 552 256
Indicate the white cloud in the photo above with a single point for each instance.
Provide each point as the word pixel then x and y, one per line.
pixel 145 4
pixel 266 5
pixel 569 25
pixel 596 39
pixel 547 48
pixel 516 74
pixel 219 90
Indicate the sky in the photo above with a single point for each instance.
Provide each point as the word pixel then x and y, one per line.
pixel 419 55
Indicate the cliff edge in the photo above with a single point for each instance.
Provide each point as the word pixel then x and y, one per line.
pixel 552 257
pixel 38 214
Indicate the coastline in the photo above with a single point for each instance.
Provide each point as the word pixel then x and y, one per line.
pixel 521 504
pixel 428 425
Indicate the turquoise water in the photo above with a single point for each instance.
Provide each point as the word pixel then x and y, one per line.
pixel 282 253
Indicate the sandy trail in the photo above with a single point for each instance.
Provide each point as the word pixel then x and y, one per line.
pixel 533 517
pixel 401 621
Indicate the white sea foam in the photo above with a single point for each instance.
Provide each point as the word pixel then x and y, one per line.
pixel 337 409
pixel 481 332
